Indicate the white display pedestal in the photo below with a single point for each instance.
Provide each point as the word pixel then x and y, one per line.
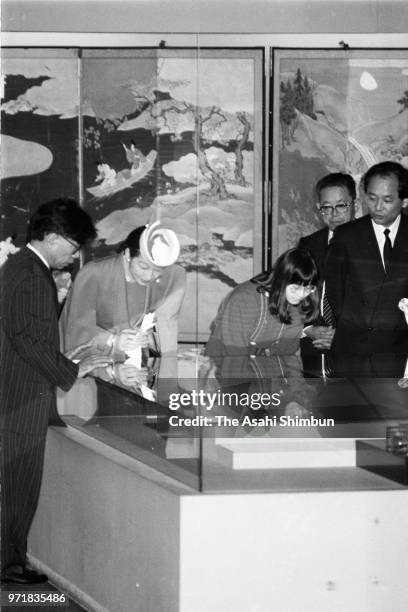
pixel 123 538
pixel 300 453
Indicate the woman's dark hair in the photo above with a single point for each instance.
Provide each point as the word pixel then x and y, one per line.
pixel 64 217
pixel 295 266
pixel 132 242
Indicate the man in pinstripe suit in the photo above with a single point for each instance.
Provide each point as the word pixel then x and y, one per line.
pixel 31 368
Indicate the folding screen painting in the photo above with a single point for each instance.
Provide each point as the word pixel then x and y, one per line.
pixel 168 134
pixel 177 135
pixel 333 111
pixel 39 134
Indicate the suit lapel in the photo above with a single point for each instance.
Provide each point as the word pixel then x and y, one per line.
pixel 323 249
pixel 325 240
pixel 46 272
pixel 370 249
pixel 320 249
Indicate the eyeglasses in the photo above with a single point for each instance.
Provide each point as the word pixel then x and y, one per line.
pixel 306 289
pixel 72 243
pixel 339 208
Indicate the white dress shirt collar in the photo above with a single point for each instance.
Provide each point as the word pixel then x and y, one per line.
pixel 379 231
pixel 379 234
pixel 34 250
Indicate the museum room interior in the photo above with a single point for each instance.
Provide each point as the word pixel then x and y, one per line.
pixel 215 119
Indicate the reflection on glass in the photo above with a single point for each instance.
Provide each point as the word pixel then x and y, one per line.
pixel 232 422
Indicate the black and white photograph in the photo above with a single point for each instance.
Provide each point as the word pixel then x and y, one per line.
pixel 204 305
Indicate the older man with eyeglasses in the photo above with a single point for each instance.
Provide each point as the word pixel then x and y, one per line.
pixel 335 196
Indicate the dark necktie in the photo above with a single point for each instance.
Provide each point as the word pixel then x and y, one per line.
pixel 387 250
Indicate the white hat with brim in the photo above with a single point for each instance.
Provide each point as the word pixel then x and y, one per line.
pixel 159 246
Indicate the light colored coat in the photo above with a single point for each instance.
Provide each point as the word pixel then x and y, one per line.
pixel 97 304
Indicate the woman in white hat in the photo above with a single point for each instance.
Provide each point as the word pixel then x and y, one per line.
pixel 110 297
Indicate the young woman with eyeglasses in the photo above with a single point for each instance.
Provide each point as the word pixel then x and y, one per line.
pixel 266 315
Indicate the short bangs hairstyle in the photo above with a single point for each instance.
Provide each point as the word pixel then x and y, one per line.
pixel 294 267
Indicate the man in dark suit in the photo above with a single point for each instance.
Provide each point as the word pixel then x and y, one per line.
pixel 367 269
pixel 32 367
pixel 335 197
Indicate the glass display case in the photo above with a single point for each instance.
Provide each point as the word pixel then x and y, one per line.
pixel 247 422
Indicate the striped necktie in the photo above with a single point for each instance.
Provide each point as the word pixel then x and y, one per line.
pixel 387 250
pixel 327 311
pixel 328 314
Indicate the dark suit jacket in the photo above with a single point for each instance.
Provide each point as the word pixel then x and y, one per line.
pixel 31 363
pixel 365 299
pixel 317 244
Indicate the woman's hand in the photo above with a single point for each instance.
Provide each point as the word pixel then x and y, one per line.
pixel 88 358
pixel 92 362
pixel 321 335
pixel 129 339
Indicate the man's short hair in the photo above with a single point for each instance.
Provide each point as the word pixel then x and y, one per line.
pixel 386 169
pixel 62 216
pixel 337 179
